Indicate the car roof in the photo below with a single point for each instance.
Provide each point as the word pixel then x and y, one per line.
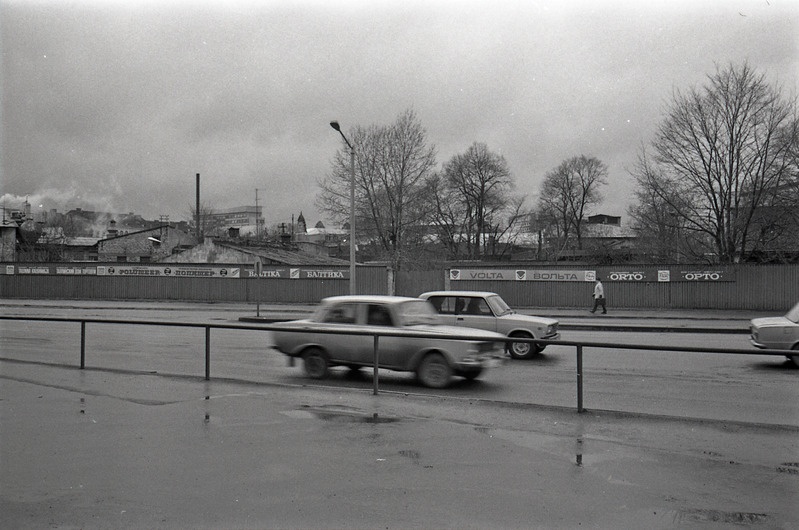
pixel 366 298
pixel 457 293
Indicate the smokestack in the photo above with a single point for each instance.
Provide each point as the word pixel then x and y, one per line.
pixel 197 211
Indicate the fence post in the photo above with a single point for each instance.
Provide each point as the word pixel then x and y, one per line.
pixel 82 344
pixel 580 378
pixel 374 375
pixel 207 353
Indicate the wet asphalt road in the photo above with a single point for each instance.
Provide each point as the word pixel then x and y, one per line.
pixel 105 448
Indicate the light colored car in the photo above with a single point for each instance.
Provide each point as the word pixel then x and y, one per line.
pixel 488 311
pixel 777 333
pixel 434 360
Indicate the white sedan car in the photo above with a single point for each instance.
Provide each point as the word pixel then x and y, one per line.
pixel 777 333
pixel 488 311
pixel 323 340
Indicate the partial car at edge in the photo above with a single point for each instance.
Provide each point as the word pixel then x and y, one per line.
pixel 458 352
pixel 488 311
pixel 777 333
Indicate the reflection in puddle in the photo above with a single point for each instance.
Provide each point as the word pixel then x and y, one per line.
pixel 718 516
pixel 338 416
pixel 552 444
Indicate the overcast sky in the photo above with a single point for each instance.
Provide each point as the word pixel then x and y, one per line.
pixel 116 105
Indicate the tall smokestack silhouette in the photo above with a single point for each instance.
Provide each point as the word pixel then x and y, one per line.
pixel 197 211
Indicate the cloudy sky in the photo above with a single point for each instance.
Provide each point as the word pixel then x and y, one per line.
pixel 115 105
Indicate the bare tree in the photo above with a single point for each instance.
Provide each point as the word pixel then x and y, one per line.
pixel 207 224
pixel 392 168
pixel 473 192
pixel 447 215
pixel 662 233
pixel 568 193
pixel 723 166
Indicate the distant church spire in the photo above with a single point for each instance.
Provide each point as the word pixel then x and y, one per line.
pixel 301 224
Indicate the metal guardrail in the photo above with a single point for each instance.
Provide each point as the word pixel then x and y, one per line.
pixel 579 345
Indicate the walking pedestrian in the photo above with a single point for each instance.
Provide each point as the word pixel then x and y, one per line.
pixel 599 296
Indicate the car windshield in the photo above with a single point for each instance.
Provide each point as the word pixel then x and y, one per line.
pixel 498 305
pixel 418 312
pixel 793 314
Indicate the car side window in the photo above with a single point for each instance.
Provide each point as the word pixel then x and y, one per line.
pixel 445 305
pixel 341 314
pixel 378 315
pixel 477 306
pixel 460 306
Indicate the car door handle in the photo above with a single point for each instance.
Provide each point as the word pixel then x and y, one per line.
pixel 459 318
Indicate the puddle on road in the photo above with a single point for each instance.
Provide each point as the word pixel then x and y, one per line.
pixel 584 452
pixel 338 416
pixel 718 516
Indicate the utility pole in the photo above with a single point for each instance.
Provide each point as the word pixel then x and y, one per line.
pixel 337 127
pixel 197 211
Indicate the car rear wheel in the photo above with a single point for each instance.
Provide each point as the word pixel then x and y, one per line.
pixel 434 371
pixel 522 350
pixel 315 362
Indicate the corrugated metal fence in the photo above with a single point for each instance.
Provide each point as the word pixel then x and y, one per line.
pixel 739 286
pixel 244 287
pixel 751 287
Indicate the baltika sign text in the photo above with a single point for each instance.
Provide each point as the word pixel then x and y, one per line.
pixel 301 274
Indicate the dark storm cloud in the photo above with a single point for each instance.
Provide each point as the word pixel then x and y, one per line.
pixel 116 105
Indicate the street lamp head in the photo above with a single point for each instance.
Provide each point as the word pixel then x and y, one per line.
pixel 335 125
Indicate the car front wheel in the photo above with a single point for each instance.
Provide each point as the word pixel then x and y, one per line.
pixel 315 363
pixel 523 350
pixel 434 371
pixel 795 358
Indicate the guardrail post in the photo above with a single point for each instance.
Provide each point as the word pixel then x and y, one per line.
pixel 580 378
pixel 82 344
pixel 374 375
pixel 207 353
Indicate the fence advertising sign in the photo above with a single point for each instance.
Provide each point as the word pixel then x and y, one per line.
pixel 629 275
pixel 300 274
pixel 171 271
pixel 91 271
pixel 536 275
pixel 706 276
pixel 33 270
pixel 167 271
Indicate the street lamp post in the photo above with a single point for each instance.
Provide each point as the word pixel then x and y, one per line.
pixel 336 126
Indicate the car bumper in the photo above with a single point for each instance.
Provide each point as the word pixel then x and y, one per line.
pixel 780 346
pixel 489 361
